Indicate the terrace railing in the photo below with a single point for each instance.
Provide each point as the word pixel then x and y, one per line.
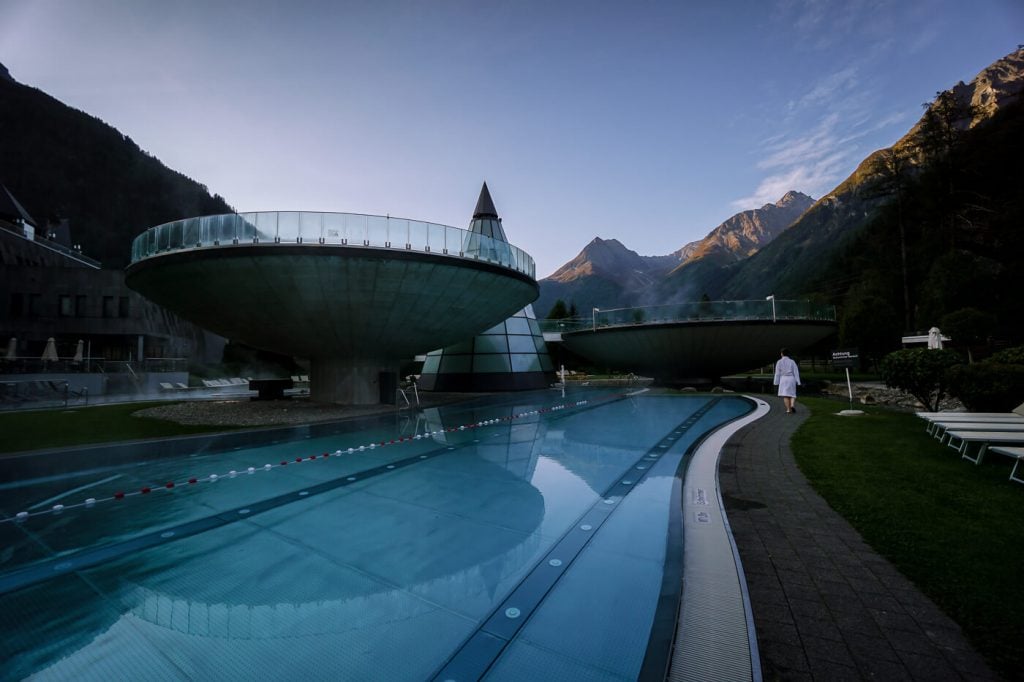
pixel 697 311
pixel 329 229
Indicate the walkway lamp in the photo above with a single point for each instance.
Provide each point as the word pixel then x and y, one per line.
pixel 772 299
pixel 594 318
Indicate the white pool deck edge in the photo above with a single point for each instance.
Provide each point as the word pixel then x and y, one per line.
pixel 715 636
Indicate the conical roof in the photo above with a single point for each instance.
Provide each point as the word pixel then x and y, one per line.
pixel 485 205
pixel 485 217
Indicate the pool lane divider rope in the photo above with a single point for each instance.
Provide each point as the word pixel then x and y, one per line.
pixel 478 653
pixel 22 516
pixel 53 567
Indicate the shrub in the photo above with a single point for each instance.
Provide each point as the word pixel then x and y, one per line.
pixel 1009 356
pixel 921 372
pixel 988 386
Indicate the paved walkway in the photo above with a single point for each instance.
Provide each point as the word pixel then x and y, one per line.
pixel 825 605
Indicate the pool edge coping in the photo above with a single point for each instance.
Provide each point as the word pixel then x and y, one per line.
pixel 709 549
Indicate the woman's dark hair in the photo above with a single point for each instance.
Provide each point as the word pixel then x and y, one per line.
pixel 785 351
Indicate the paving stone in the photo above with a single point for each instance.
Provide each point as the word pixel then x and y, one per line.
pixel 784 658
pixel 841 602
pixel 869 588
pixel 923 667
pixel 827 650
pixel 833 672
pixel 877 669
pixel 890 621
pixel 913 642
pixel 782 633
pixel 808 626
pixel 857 622
pixel 813 608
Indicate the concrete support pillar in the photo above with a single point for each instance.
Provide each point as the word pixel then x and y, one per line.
pixel 348 382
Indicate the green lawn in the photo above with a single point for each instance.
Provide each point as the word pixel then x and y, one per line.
pixel 953 528
pixel 81 425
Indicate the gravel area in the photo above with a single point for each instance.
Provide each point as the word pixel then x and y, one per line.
pixel 245 412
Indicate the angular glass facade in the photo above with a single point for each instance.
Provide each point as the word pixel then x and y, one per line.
pixel 511 356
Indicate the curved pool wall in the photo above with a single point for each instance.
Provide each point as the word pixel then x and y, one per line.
pixel 355 294
pixel 512 537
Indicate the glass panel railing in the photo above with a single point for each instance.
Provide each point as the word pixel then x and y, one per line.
pixel 288 227
pixel 435 237
pixel 356 230
pixel 376 230
pixel 190 233
pixel 697 311
pixel 334 228
pixel 310 227
pixel 418 233
pixel 338 229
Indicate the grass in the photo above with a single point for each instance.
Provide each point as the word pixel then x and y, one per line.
pixel 954 529
pixel 79 426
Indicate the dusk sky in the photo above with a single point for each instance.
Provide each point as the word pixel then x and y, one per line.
pixel 648 122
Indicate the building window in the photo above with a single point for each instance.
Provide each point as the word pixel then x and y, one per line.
pixel 109 307
pixel 80 306
pixel 64 306
pixel 122 306
pixel 35 305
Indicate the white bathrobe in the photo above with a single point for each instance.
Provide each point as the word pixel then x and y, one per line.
pixel 787 377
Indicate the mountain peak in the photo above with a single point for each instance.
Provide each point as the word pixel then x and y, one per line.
pixel 791 197
pixel 5 75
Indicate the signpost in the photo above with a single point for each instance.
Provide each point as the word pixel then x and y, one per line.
pixel 846 357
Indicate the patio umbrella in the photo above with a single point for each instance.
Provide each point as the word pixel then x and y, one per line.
pixel 934 338
pixel 79 351
pixel 12 349
pixel 50 353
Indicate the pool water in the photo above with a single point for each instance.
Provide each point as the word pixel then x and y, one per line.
pixel 512 537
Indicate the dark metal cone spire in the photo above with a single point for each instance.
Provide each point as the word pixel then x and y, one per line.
pixel 485 205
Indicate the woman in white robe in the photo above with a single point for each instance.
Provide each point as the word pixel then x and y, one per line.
pixel 787 378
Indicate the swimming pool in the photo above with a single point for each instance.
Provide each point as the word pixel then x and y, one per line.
pixel 517 537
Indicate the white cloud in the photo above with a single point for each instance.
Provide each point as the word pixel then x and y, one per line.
pixel 812 163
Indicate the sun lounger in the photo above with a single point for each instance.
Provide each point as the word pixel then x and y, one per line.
pixel 1016 453
pixel 166 386
pixel 939 429
pixel 182 386
pixel 934 417
pixel 985 438
pixel 926 415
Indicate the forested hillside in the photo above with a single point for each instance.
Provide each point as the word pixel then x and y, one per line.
pixel 62 163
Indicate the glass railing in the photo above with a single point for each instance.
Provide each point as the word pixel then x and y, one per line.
pixel 698 311
pixel 329 229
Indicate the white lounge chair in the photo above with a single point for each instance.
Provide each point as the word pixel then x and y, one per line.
pixel 985 438
pixel 939 429
pixel 966 417
pixel 1017 454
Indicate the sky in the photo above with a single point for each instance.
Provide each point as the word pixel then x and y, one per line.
pixel 647 122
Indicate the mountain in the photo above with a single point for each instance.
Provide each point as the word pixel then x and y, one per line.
pixel 735 240
pixel 804 253
pixel 606 274
pixel 928 232
pixel 64 164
